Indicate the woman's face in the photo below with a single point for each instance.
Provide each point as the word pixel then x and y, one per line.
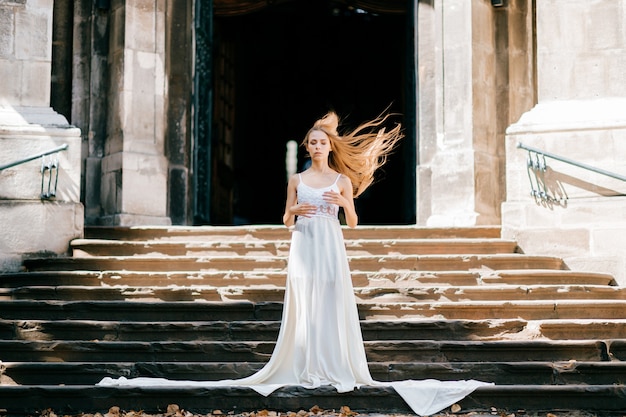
pixel 318 145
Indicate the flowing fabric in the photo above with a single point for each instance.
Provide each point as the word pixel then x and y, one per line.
pixel 320 341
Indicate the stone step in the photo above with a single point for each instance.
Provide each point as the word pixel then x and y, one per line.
pixel 400 278
pixel 243 310
pixel 24 400
pixel 260 293
pixel 355 247
pixel 272 232
pixel 480 310
pixel 264 263
pixel 505 373
pixel 260 351
pixel 547 276
pixel 262 330
pixel 138 311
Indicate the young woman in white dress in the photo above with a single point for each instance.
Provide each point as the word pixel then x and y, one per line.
pixel 320 341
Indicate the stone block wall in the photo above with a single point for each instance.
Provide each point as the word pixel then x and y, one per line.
pixel 584 221
pixel 581 90
pixel 28 126
pixel 580 52
pixel 25 52
pixel 32 226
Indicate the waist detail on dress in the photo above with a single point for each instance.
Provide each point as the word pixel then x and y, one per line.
pixel 326 210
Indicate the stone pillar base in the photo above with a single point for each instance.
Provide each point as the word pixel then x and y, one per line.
pixel 134 189
pixel 37 228
pixel 583 220
pixel 31 225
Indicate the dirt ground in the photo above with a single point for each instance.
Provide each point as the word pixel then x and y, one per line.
pixel 174 410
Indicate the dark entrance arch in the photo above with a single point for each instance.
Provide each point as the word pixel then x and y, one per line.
pixel 267 74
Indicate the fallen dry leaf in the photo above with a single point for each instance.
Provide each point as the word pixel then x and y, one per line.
pixel 316 410
pixel 345 411
pixel 455 408
pixel 113 412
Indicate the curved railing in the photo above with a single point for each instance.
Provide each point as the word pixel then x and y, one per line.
pixel 536 166
pixel 49 170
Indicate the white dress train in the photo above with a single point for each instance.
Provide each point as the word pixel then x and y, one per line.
pixel 320 341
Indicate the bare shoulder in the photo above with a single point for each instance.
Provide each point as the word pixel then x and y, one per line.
pixel 345 183
pixel 344 179
pixel 295 178
pixel 293 182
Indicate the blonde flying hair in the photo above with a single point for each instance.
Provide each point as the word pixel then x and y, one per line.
pixel 358 154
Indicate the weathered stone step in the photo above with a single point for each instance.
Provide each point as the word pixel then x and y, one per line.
pixel 547 276
pixel 400 278
pixel 504 373
pixel 138 311
pixel 242 310
pixel 259 330
pixel 260 293
pixel 587 329
pixel 23 400
pixel 272 232
pixel 224 278
pixel 100 247
pixel 481 310
pixel 260 351
pixel 264 263
pixel 490 292
pixel 263 330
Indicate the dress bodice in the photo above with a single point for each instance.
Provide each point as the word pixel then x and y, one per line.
pixel 315 196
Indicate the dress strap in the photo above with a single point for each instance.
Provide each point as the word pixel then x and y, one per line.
pixel 337 179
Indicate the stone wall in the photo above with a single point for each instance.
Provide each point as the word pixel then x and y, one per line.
pixel 25 52
pixel 32 225
pixel 581 53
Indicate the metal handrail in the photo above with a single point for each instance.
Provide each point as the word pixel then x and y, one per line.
pixel 572 162
pixel 30 158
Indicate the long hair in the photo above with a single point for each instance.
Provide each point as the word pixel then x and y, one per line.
pixel 359 153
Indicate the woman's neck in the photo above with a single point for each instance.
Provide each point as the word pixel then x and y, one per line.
pixel 320 167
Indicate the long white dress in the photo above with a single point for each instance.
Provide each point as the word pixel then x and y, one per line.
pixel 320 341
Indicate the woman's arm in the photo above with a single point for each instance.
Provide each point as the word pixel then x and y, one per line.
pixel 289 218
pixel 292 208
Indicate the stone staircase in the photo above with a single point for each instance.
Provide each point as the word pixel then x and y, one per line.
pixel 205 303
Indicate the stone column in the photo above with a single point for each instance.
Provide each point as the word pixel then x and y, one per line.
pixel 581 115
pixel 463 111
pixel 446 154
pixel 28 126
pixel 134 168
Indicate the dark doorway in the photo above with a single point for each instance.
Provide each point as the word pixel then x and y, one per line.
pixel 277 70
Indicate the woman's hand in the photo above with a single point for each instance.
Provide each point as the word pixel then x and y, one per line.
pixel 303 210
pixel 333 197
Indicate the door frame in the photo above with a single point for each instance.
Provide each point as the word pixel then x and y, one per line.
pixel 203 106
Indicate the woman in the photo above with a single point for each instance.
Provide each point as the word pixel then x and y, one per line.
pixel 320 341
